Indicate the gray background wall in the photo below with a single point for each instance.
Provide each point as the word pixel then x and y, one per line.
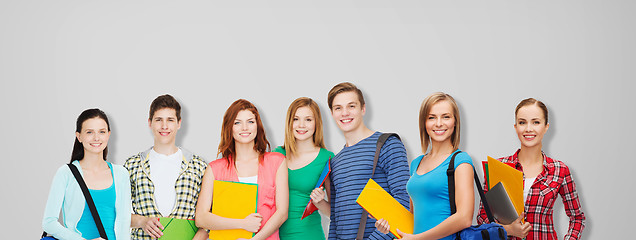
pixel 58 58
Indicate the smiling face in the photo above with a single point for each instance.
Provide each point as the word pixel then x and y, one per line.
pixel 440 122
pixel 304 124
pixel 94 135
pixel 530 125
pixel 164 126
pixel 347 111
pixel 245 127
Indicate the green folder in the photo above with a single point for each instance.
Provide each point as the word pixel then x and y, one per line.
pixel 177 229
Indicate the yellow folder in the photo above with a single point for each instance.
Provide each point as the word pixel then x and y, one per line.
pixel 233 200
pixel 511 178
pixel 381 204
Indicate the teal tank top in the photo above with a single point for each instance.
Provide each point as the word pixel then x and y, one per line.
pixel 105 203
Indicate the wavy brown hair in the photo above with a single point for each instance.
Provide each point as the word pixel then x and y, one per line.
pixel 227 146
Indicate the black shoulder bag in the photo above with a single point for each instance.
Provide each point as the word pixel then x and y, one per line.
pixel 488 231
pixel 365 214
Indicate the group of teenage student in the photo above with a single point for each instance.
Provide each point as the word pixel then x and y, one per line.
pixel 168 181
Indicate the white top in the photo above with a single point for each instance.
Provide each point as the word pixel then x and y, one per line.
pixel 252 179
pixel 526 186
pixel 164 171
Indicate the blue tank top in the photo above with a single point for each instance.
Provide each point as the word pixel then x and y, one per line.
pixel 105 203
pixel 429 193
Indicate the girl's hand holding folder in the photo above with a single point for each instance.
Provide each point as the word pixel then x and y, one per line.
pixel 252 223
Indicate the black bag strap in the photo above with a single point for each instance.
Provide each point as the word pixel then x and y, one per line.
pixel 378 146
pixel 89 200
pixel 451 189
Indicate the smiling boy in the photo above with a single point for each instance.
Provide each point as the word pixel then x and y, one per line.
pixel 165 179
pixel 351 168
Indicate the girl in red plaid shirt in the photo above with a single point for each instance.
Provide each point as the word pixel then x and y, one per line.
pixel 544 179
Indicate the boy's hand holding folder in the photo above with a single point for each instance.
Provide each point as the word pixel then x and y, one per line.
pixel 381 205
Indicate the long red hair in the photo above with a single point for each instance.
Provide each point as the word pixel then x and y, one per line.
pixel 226 146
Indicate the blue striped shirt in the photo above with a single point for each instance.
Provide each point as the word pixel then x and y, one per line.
pixel 350 171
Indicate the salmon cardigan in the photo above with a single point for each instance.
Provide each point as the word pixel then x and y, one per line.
pixel 266 182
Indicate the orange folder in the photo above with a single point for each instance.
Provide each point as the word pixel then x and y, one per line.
pixel 484 165
pixel 233 200
pixel 511 178
pixel 381 204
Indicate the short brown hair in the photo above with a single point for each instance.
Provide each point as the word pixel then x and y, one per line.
pixel 290 140
pixel 344 87
pixel 226 146
pixel 427 104
pixel 531 101
pixel 165 101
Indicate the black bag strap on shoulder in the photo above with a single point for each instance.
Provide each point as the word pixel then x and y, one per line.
pixel 89 200
pixel 378 146
pixel 451 189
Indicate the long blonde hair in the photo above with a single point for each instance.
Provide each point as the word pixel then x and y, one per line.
pixel 424 111
pixel 290 140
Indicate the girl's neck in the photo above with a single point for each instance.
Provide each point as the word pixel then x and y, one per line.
pixel 530 154
pixel 245 151
pixel 302 147
pixel 93 160
pixel 307 145
pixel 441 148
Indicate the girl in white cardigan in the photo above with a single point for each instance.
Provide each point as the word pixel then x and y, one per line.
pixel 108 184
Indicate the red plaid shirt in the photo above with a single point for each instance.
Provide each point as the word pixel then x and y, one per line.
pixel 554 179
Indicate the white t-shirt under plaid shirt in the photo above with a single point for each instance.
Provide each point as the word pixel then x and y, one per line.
pixel 164 171
pixel 187 187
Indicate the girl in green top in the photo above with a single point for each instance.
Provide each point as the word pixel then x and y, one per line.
pixel 306 157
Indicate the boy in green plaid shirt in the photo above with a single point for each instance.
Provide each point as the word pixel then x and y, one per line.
pixel 165 179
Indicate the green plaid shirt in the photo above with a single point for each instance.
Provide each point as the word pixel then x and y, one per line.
pixel 187 186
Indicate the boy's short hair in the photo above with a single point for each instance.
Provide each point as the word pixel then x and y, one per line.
pixel 165 101
pixel 344 87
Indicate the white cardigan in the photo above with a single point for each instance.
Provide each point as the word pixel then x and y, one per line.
pixel 66 195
